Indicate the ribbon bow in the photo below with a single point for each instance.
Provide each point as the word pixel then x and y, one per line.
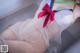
pixel 49 14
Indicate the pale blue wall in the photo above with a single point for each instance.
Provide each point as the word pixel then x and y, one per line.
pixel 8 7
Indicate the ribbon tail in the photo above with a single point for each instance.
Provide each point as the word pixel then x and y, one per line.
pixel 46 21
pixel 52 16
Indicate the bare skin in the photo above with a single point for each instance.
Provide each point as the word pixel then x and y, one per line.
pixel 18 46
pixel 11 40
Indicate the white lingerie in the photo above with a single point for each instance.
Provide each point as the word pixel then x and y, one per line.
pixel 61 18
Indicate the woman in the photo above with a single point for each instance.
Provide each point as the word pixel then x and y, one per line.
pixel 30 37
pixel 69 36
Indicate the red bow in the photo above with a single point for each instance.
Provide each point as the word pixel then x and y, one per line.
pixel 46 11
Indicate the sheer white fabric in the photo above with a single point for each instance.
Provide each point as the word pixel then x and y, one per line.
pixel 21 28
